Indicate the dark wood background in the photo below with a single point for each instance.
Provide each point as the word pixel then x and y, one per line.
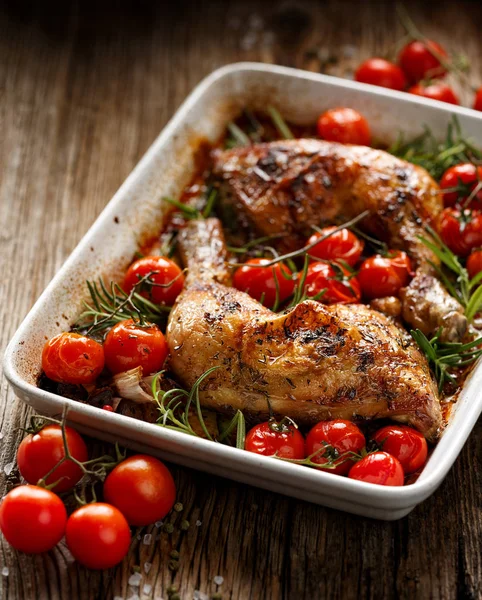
pixel 85 88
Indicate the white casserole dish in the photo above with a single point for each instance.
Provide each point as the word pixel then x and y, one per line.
pixel 136 212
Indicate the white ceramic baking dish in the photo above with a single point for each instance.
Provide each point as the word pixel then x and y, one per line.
pixel 136 212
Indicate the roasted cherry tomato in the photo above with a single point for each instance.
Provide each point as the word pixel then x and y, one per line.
pixel 260 282
pixel 32 519
pixel 474 263
pixel 404 443
pixel 333 439
pixel 461 230
pixel 478 99
pixel 342 245
pixel 129 345
pixel 339 285
pixel 273 438
pixel 466 177
pixel 435 91
pixel 380 468
pixel 98 535
pixel 379 71
pixel 72 358
pixel 382 276
pixel 344 125
pixel 39 453
pixel 142 488
pixel 419 60
pixel 165 281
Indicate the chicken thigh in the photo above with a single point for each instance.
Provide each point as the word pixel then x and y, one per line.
pixel 310 363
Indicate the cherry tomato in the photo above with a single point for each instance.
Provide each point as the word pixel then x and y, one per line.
pixel 166 276
pixel 466 176
pixel 382 276
pixel 142 488
pixel 380 468
pixel 340 286
pixel 435 91
pixel 418 60
pixel 72 358
pixel 273 438
pixel 260 283
pixel 39 453
pixel 342 245
pixel 461 230
pixel 478 99
pixel 404 443
pixel 474 263
pixel 98 535
pixel 32 519
pixel 337 437
pixel 379 71
pixel 129 345
pixel 344 125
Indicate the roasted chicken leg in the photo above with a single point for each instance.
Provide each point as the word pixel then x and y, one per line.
pixel 285 187
pixel 311 363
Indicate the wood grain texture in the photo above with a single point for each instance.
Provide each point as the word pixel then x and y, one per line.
pixel 85 88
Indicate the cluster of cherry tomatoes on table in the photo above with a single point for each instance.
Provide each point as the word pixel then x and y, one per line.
pixel 138 491
pixel 339 447
pixel 422 65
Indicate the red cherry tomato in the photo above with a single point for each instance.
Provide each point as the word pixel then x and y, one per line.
pixel 404 443
pixel 435 91
pixel 142 488
pixel 336 437
pixel 273 438
pixel 478 99
pixel 418 60
pixel 129 345
pixel 98 535
pixel 461 230
pixel 379 71
pixel 72 358
pixel 474 263
pixel 260 282
pixel 39 453
pixel 380 468
pixel 382 276
pixel 340 286
pixel 344 125
pixel 466 176
pixel 342 245
pixel 166 276
pixel 32 519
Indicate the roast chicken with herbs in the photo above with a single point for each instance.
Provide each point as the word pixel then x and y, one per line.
pixel 312 362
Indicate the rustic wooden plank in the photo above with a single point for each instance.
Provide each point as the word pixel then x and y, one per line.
pixel 85 89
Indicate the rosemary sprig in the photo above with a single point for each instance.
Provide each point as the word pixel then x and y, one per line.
pixel 238 137
pixel 188 211
pixel 280 123
pixel 444 357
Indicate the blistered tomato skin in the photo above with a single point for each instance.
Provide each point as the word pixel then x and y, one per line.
pixel 382 276
pixel 474 263
pixel 266 440
pixel 344 125
pixel 264 284
pixel 72 358
pixel 342 245
pixel 461 231
pixel 142 488
pixel 32 519
pixel 463 175
pixel 418 60
pixel 167 278
pixel 380 468
pixel 129 345
pixel 323 283
pixel 404 443
pixel 98 535
pixel 39 453
pixel 339 435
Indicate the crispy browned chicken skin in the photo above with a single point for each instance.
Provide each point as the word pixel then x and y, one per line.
pixel 314 362
pixel 285 187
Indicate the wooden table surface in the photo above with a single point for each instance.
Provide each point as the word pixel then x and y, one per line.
pixel 85 89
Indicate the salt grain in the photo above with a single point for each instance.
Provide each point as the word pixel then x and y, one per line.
pixel 147 567
pixel 135 580
pixel 5 571
pixel 138 536
pixel 198 523
pixel 147 539
pixel 147 588
pixel 8 468
pixel 158 524
pixel 218 580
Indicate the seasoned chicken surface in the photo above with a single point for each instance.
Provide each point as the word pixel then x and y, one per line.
pixel 285 187
pixel 311 363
